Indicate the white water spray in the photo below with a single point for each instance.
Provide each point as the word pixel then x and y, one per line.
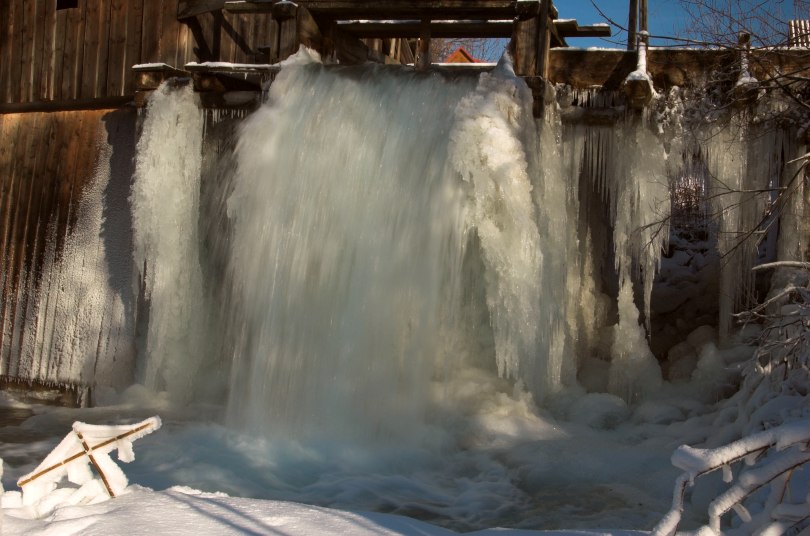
pixel 348 245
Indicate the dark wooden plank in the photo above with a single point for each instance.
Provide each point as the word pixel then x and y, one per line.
pixel 90 66
pixel 10 130
pixel 632 24
pixel 423 58
pixel 48 45
pixel 543 39
pixel 103 49
pixel 150 31
pixel 134 36
pixel 58 56
pixel 206 32
pixel 118 47
pixel 288 39
pixel 411 29
pixel 75 61
pixel 524 47
pixel 37 65
pixel 29 31
pixel 22 213
pixel 223 46
pixel 170 34
pixel 185 44
pixel 18 35
pixel 5 49
pixel 191 8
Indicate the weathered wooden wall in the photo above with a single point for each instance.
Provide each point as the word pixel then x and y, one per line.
pixel 49 161
pixel 45 161
pixel 86 52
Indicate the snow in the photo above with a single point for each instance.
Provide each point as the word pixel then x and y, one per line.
pixel 183 511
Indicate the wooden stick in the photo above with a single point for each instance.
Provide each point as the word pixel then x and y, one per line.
pixel 89 452
pixel 76 456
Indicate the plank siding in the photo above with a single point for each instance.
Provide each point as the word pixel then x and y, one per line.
pixel 15 56
pixel 47 160
pixel 75 54
pixel 48 42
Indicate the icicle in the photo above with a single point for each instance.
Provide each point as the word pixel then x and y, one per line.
pixel 165 208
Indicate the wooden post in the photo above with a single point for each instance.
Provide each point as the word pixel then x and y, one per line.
pixel 524 46
pixel 96 466
pixel 632 25
pixel 642 15
pixel 543 39
pixel 423 62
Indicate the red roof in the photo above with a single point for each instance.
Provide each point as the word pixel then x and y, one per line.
pixel 461 56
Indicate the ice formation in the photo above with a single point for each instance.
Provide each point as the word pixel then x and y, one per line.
pixel 370 231
pixel 165 211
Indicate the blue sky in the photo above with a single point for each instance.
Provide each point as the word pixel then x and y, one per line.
pixel 666 17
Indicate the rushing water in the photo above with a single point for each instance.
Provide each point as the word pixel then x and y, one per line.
pixel 391 279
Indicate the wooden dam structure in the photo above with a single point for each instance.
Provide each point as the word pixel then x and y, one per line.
pixel 73 72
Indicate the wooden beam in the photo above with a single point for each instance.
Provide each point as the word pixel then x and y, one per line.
pixel 392 9
pixel 570 28
pixel 412 29
pixel 524 46
pixel 632 25
pixel 191 8
pixel 487 29
pixel 543 39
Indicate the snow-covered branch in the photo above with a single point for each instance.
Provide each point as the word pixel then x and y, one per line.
pixel 768 457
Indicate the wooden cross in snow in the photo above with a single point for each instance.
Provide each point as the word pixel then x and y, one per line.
pixel 87 443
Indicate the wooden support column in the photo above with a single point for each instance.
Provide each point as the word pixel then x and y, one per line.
pixel 632 25
pixel 642 15
pixel 423 62
pixel 544 25
pixel 524 46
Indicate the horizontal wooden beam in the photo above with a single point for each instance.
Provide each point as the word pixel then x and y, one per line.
pixel 410 29
pixel 67 105
pixel 463 28
pixel 191 8
pixel 394 9
pixel 570 28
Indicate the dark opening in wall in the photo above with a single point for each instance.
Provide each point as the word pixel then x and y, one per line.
pixel 66 4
